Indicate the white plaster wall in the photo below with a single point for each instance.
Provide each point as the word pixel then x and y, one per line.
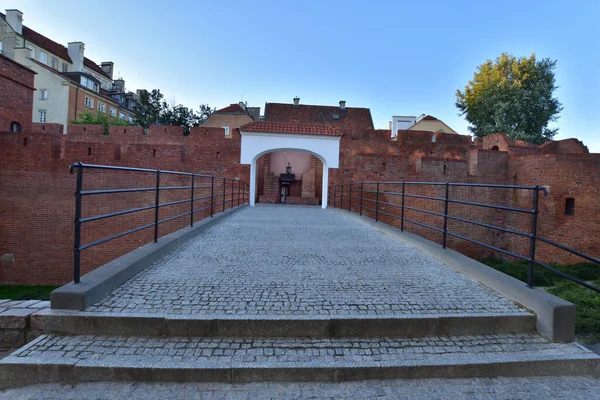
pixel 254 145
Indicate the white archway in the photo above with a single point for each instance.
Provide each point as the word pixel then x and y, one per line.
pixel 256 144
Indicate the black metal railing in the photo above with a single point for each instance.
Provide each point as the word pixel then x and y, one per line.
pixel 234 193
pixel 351 195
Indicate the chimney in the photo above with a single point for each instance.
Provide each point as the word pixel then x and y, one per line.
pixel 15 20
pixel 296 101
pixel 76 50
pixel 342 104
pixel 108 66
pixel 119 83
pixel 242 105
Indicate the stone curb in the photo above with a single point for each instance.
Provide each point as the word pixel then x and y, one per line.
pixel 82 323
pixel 20 372
pixel 555 316
pixel 101 281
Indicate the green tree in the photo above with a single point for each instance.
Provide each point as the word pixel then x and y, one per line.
pixel 149 107
pixel 511 95
pixel 152 110
pixel 99 119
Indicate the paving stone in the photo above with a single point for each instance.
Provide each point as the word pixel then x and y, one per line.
pixel 534 388
pixel 15 318
pixel 300 261
pixel 3 301
pixel 27 303
pixel 40 305
pixel 284 351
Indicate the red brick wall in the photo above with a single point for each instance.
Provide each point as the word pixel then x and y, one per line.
pixel 16 94
pixel 37 192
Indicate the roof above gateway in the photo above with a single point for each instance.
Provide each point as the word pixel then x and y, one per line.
pixel 296 129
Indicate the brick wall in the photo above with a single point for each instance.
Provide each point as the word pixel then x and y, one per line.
pixel 16 94
pixel 36 190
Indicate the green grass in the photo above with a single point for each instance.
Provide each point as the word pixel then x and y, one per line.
pixel 587 320
pixel 18 292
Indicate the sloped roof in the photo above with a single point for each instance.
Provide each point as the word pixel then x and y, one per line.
pixel 232 108
pixel 349 119
pixel 59 49
pixel 298 129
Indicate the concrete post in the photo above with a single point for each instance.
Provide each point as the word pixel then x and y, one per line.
pixel 325 188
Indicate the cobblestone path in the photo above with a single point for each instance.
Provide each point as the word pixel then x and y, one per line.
pixel 278 260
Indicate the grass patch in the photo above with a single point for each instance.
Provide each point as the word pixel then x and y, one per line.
pixel 19 292
pixel 587 320
pixel 541 277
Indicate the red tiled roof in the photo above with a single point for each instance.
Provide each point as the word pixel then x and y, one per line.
pixel 59 49
pixel 429 118
pixel 351 119
pixel 232 108
pixel 299 129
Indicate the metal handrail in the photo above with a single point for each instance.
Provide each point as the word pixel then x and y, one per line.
pixel 345 192
pixel 225 184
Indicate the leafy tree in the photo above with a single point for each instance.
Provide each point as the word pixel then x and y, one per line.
pixel 514 96
pixel 99 119
pixel 149 107
pixel 152 110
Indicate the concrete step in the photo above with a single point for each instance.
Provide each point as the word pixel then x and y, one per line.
pixel 313 326
pixel 86 358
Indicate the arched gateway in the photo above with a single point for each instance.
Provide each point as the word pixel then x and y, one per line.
pixel 259 138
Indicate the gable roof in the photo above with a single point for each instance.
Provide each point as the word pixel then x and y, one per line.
pixel 298 129
pixel 349 119
pixel 232 109
pixel 58 49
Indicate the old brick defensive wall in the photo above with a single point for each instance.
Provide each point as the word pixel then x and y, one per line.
pixel 37 192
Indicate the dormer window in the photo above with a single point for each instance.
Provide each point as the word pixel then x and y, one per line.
pixel 89 83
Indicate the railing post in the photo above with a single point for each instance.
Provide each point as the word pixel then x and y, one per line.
pixel 445 215
pixel 192 204
pixel 212 195
pixel 361 197
pixel 77 237
pixel 402 208
pixel 533 237
pixel 350 198
pixel 342 196
pixel 232 192
pixel 239 187
pixel 224 195
pixel 377 203
pixel 157 191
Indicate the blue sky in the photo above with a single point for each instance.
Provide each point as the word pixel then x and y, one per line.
pixel 394 57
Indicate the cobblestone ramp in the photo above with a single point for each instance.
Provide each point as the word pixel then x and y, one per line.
pixel 293 294
pixel 299 261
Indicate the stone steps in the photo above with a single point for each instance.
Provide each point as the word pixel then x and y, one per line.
pixel 84 358
pixel 313 326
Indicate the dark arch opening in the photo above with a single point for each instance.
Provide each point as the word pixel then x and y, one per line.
pixel 16 127
pixel 495 148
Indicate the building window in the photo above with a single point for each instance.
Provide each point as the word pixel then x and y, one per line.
pixel 0 47
pixel 101 107
pixel 226 128
pixel 121 115
pixel 43 94
pixel 65 67
pixel 42 116
pixel 570 206
pixel 54 62
pixel 113 112
pixel 43 57
pixel 89 102
pixel 31 51
pixel 15 127
pixel 130 120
